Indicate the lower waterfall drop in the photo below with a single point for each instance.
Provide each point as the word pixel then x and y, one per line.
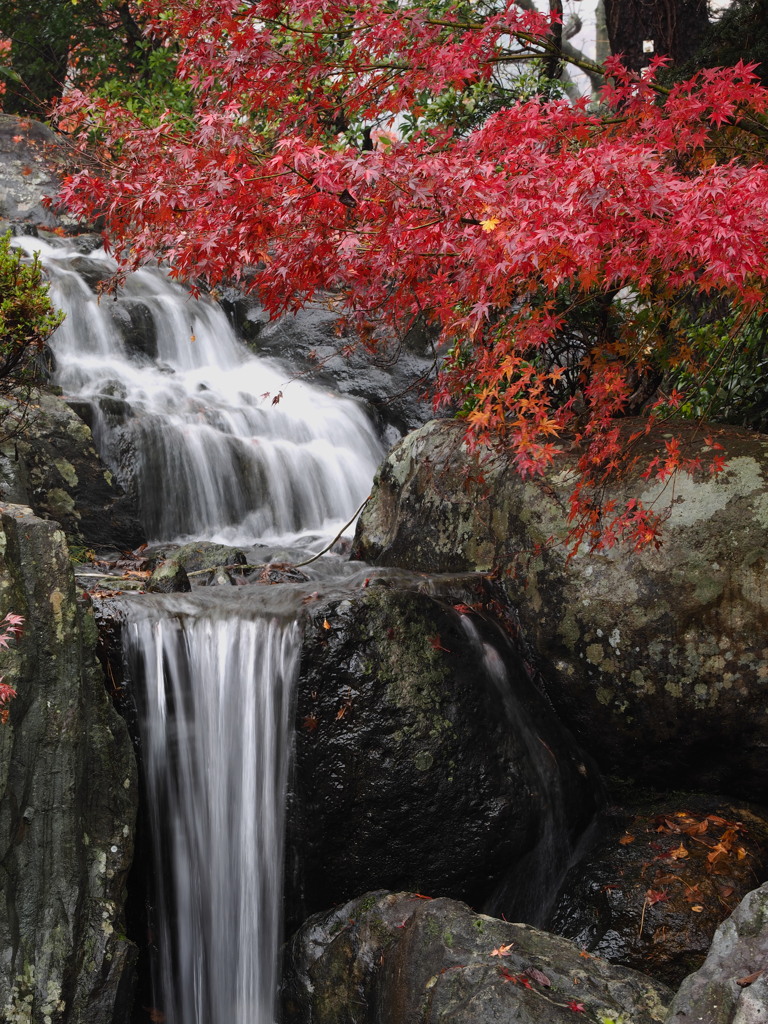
pixel 214 712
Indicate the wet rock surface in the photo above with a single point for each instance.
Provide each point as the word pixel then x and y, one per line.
pixel 393 382
pixel 68 799
pixel 169 577
pixel 387 957
pixel 424 755
pixel 664 874
pixel 656 659
pixel 50 463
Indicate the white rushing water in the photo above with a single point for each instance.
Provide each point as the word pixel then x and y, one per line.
pixel 186 417
pixel 214 722
pixel 191 422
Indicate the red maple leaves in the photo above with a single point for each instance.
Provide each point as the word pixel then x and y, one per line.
pixel 474 235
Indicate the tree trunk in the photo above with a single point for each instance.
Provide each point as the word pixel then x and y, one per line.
pixel 670 28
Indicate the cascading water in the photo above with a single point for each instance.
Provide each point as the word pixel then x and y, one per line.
pixel 192 424
pixel 214 714
pixel 214 442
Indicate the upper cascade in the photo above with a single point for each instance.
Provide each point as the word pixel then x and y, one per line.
pixel 216 443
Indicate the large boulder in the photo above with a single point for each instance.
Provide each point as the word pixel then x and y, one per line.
pixel 657 658
pixel 425 757
pixel 400 957
pixel 731 987
pixel 68 799
pixel 51 464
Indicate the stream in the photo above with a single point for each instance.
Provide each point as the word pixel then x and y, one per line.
pixel 217 445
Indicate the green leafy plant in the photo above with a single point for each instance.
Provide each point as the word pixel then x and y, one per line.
pixel 27 319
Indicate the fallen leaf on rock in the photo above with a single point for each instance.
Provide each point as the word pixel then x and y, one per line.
pixel 680 853
pixel 654 896
pixel 502 950
pixel 539 977
pixel 626 839
pixel 743 982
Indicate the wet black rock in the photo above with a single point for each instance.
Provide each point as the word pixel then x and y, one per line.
pixel 425 757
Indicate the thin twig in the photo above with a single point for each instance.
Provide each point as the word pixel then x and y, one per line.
pixel 298 565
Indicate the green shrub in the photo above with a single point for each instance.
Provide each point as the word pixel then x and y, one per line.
pixel 27 319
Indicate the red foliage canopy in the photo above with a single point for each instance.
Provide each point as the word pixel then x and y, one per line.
pixel 476 235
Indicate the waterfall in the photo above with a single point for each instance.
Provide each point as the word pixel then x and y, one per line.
pixel 215 443
pixel 529 894
pixel 214 710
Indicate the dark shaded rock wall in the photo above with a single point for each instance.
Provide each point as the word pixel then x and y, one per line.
pixel 67 799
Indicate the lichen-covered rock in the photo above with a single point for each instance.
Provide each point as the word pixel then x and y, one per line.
pixel 663 876
pixel 169 577
pixel 731 987
pixel 52 466
pixel 656 659
pixel 425 757
pixel 33 161
pixel 67 799
pixel 400 957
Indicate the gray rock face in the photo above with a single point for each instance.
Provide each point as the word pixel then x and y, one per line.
pixel 655 659
pixel 398 957
pixel 67 799
pixel 732 985
pixel 33 159
pixel 53 467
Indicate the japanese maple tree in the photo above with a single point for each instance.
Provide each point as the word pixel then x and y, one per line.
pixel 305 172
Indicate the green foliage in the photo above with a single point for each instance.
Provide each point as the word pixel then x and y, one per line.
pixel 726 378
pixel 27 318
pixel 153 91
pixel 740 33
pixel 466 109
pixel 98 44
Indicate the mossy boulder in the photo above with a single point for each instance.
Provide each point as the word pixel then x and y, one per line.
pixel 425 756
pixel 51 464
pixel 68 798
pixel 400 957
pixel 657 658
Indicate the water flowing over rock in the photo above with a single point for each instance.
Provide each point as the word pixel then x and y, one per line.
pixel 656 661
pixel 399 957
pixel 214 694
pixel 426 757
pixel 67 800
pixel 212 442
